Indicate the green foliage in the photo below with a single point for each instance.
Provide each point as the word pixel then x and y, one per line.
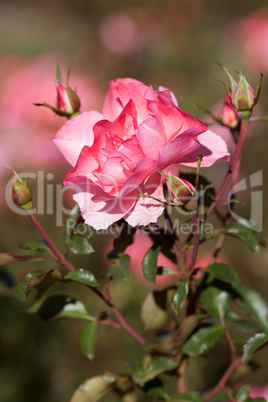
pixel 149 263
pixel 120 270
pixel 216 301
pixel 253 344
pixel 79 245
pixel 181 294
pixel 187 397
pixel 242 393
pixel 83 276
pixel 150 368
pixel 202 340
pixel 94 389
pixel 35 279
pixel 222 272
pixel 88 338
pixel 253 304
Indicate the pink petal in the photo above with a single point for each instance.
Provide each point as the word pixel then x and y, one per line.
pixel 118 95
pixel 151 136
pixel 212 146
pixel 86 163
pixel 143 169
pixel 76 133
pixel 106 210
pixel 147 210
pixel 176 150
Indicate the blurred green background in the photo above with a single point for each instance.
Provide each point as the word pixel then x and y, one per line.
pixel 171 43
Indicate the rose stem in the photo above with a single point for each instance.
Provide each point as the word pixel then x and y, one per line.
pixel 221 384
pixel 62 260
pixel 70 267
pixel 241 139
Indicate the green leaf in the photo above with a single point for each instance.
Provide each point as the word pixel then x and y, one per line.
pixel 155 388
pixel 180 294
pixel 34 264
pixel 202 340
pixel 152 315
pixel 244 233
pixel 149 263
pixel 220 397
pixel 49 308
pixel 22 284
pixel 223 272
pixel 79 245
pixel 253 304
pixel 216 301
pixel 242 393
pixel 72 221
pixel 187 397
pixel 76 310
pixel 254 343
pixel 84 276
pixel 94 389
pixel 35 245
pixel 151 368
pixel 120 270
pixel 88 337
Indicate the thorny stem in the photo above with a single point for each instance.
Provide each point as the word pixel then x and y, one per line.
pixel 241 139
pixel 221 384
pixel 106 298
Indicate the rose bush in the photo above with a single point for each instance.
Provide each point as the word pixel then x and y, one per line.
pixel 117 154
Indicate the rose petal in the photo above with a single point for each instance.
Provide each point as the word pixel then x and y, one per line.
pixel 118 95
pixel 106 210
pixel 76 133
pixel 212 146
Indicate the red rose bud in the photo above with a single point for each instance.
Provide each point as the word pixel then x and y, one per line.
pixel 244 96
pixel 229 115
pixel 21 194
pixel 180 190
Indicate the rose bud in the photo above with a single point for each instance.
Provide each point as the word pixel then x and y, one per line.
pixel 181 191
pixel 67 99
pixel 229 115
pixel 21 194
pixel 244 96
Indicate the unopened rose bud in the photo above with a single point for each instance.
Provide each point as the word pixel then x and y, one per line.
pixel 181 191
pixel 21 194
pixel 229 115
pixel 67 99
pixel 244 96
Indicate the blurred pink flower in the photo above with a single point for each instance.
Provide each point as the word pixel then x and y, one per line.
pixel 120 34
pixel 252 35
pixel 257 391
pixel 141 244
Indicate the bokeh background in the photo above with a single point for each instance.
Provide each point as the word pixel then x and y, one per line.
pixel 172 43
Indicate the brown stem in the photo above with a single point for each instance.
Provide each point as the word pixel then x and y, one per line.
pixel 229 339
pixel 195 220
pixel 221 384
pixel 124 324
pixel 235 160
pixel 62 260
pixel 181 372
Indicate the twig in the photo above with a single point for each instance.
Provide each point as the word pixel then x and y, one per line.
pixel 221 384
pixel 62 260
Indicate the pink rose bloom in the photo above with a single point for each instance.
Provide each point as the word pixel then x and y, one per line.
pixel 257 391
pixel 117 154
